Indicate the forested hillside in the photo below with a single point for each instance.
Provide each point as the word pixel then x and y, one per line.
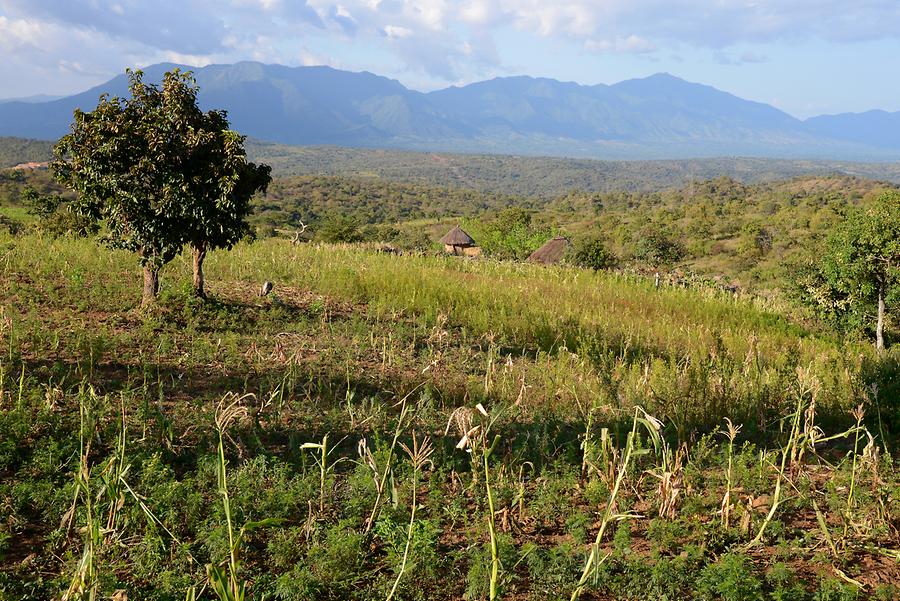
pixel 545 177
pixel 21 150
pixel 736 232
pixel 307 199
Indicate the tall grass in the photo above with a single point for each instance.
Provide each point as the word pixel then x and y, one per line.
pixel 693 357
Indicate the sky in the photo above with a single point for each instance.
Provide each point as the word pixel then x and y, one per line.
pixel 806 57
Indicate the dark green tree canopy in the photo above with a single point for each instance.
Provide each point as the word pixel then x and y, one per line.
pixel 658 249
pixel 125 162
pixel 338 228
pixel 590 252
pixel 160 172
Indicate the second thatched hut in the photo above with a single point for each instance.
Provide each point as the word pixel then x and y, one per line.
pixel 458 242
pixel 551 253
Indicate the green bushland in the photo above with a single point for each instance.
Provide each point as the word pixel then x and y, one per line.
pixel 751 236
pixel 542 177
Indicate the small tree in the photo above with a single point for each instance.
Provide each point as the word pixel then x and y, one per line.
pixel 860 266
pixel 511 233
pixel 337 227
pixel 591 253
pixel 658 250
pixel 160 172
pixel 40 205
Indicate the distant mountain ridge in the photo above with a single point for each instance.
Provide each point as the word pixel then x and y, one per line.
pixel 660 116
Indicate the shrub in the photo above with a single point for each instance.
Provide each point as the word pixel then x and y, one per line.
pixel 423 561
pixel 335 564
pixel 666 534
pixel 832 589
pixel 591 253
pixel 657 249
pixel 337 228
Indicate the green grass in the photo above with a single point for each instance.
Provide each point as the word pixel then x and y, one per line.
pixel 18 213
pixel 561 356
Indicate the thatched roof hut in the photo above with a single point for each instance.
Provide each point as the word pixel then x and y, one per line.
pixel 457 237
pixel 458 242
pixel 551 252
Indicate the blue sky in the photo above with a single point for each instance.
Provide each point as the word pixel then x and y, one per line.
pixel 806 57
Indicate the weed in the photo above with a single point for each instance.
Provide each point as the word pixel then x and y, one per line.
pixel 731 578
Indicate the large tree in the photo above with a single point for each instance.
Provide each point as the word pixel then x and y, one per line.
pixel 859 269
pixel 160 172
pixel 217 180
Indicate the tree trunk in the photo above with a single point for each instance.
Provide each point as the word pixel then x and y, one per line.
pixel 151 284
pixel 199 253
pixel 879 326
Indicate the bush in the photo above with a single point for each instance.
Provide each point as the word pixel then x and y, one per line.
pixel 11 225
pixel 832 589
pixel 784 584
pixel 591 253
pixel 423 561
pixel 336 228
pixel 55 215
pixel 658 250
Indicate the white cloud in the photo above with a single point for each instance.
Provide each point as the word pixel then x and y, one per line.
pixel 704 23
pixel 194 60
pixel 397 31
pixel 632 44
pixel 18 33
pixel 440 39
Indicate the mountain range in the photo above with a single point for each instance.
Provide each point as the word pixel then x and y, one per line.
pixel 660 116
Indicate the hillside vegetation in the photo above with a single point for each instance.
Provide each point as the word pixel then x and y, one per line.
pixel 736 233
pixel 376 423
pixel 321 443
pixel 522 176
pixel 14 151
pixel 543 177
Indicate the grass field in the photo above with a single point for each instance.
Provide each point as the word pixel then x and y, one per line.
pixel 417 427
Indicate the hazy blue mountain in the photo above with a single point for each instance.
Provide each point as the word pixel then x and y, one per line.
pixel 655 117
pixel 875 128
pixel 35 98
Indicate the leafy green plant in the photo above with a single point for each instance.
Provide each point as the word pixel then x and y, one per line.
pixel 337 228
pixel 419 457
pixel 784 584
pixel 731 578
pixel 551 570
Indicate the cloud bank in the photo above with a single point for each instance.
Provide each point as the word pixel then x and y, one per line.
pixel 444 40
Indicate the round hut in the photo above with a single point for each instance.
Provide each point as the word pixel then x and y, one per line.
pixel 551 253
pixel 458 242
